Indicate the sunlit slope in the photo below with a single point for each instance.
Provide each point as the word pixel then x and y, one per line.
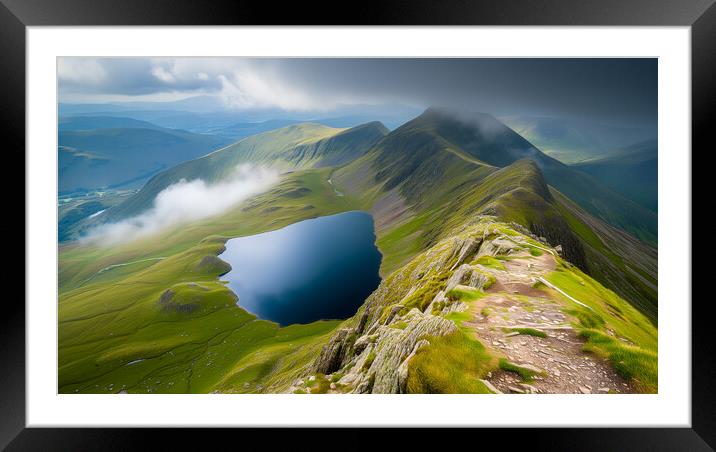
pixel 152 315
pixel 298 146
pixel 470 315
pixel 298 196
pixel 421 184
pixel 488 140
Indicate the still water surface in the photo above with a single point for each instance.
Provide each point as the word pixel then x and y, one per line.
pixel 323 268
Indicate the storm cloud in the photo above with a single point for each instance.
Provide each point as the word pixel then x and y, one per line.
pixel 618 89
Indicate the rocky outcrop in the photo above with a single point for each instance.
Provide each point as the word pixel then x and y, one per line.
pixel 469 246
pixel 380 364
pixel 372 362
pixel 333 353
pixel 372 351
pixel 498 246
pixel 467 275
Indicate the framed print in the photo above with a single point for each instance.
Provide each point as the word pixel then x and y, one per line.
pixel 438 217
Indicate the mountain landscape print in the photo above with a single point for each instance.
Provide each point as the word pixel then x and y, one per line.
pixel 356 225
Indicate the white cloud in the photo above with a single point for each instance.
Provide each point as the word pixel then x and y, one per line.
pixel 248 87
pixel 163 74
pixel 239 83
pixel 80 70
pixel 184 202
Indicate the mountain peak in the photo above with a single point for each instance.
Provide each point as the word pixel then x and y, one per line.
pixel 373 126
pixel 455 114
pixel 480 135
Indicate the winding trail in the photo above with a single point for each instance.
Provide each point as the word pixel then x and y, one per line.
pixel 547 342
pixel 111 267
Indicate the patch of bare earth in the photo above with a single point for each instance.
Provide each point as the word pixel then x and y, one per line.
pixel 388 210
pixel 513 303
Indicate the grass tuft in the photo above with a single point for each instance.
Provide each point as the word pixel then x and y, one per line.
pixel 524 373
pixel 528 331
pixel 631 362
pixel 451 364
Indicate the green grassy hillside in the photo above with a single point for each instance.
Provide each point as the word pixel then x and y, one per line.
pixel 453 320
pixel 303 145
pixel 152 315
pixel 440 186
pixel 487 140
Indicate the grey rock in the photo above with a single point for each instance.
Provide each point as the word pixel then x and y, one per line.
pixel 490 387
pixel 333 353
pixel 468 248
pixel 363 341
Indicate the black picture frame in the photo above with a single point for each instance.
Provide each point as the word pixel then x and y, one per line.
pixel 16 15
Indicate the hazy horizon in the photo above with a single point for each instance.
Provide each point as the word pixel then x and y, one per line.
pixel 598 90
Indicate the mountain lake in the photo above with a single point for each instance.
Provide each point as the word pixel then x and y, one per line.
pixel 322 268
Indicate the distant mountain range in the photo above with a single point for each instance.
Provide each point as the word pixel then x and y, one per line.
pixel 106 152
pixel 574 140
pixel 440 162
pixel 440 155
pixel 208 114
pixel 632 172
pixel 303 145
pixel 486 241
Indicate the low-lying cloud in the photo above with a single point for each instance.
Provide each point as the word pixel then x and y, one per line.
pixel 184 202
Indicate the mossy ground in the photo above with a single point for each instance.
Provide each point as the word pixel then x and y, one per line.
pixel 526 374
pixel 452 364
pixel 528 331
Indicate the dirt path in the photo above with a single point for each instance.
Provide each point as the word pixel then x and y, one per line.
pixel 512 302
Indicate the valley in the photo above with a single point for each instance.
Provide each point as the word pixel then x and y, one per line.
pixel 502 270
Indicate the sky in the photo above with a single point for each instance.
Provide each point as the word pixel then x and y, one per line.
pixel 615 91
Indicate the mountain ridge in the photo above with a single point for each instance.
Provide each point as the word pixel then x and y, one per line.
pixel 474 255
pixel 295 146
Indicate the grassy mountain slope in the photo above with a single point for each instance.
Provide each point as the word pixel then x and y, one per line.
pixel 486 308
pixel 118 331
pixel 632 172
pixel 299 146
pixel 152 316
pixel 421 171
pixel 488 140
pixel 102 158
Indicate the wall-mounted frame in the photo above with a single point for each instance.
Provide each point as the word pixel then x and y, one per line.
pixel 18 17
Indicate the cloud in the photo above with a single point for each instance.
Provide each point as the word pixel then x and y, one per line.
pixel 163 75
pixel 184 202
pixel 614 90
pixel 249 89
pixel 80 70
pixel 82 78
